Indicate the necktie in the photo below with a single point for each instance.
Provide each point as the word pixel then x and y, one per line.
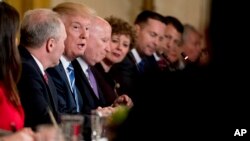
pixel 72 83
pixel 45 76
pixel 92 82
pixel 141 66
pixel 162 63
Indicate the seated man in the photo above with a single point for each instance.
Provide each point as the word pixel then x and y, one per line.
pixel 87 77
pixel 41 45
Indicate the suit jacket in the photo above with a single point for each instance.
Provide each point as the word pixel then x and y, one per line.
pixel 35 94
pixel 107 84
pixel 66 101
pixel 126 72
pixel 189 105
pixel 90 99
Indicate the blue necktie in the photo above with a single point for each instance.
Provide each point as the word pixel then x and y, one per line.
pixel 141 66
pixel 72 83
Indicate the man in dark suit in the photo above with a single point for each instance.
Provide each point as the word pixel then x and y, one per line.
pixel 209 111
pixel 41 45
pixel 169 53
pixel 87 77
pixel 76 18
pixel 149 28
pixel 92 95
pixel 98 45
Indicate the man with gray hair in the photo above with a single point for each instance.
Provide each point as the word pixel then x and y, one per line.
pixel 192 43
pixel 41 45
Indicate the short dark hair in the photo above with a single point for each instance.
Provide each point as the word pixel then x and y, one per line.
pixel 147 14
pixel 175 22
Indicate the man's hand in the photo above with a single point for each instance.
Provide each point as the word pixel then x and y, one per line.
pixel 123 100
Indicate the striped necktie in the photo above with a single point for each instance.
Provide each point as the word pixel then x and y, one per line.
pixel 72 83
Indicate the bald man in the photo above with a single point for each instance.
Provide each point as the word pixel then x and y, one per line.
pixel 87 76
pixel 98 46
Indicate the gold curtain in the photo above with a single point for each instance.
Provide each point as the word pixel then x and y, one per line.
pixel 24 5
pixel 148 5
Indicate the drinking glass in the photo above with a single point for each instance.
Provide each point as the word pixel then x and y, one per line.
pixel 72 126
pixel 98 126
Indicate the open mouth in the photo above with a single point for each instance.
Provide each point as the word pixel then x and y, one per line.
pixel 81 45
pixel 116 54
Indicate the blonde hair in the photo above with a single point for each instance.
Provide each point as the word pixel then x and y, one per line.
pixel 73 8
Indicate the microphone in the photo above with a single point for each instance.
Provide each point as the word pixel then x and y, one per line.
pixel 184 56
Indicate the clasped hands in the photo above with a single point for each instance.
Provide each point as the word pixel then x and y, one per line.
pixel 123 100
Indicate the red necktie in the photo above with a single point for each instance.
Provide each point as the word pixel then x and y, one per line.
pixel 45 76
pixel 163 63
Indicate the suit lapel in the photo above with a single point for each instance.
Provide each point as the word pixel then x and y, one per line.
pixel 64 75
pixel 82 83
pixel 131 58
pixel 101 97
pixel 53 92
pixel 50 98
pixel 89 93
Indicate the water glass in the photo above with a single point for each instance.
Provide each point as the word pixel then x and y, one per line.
pixel 98 123
pixel 72 126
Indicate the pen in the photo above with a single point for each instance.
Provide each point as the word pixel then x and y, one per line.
pixel 52 118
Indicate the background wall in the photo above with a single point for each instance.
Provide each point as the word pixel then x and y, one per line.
pixel 195 12
pixel 24 5
pixel 127 9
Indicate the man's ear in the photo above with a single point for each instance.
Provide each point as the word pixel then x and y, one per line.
pixel 50 44
pixel 137 28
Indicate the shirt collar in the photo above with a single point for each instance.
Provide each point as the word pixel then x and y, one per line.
pixel 83 65
pixel 136 55
pixel 65 62
pixel 156 56
pixel 39 64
